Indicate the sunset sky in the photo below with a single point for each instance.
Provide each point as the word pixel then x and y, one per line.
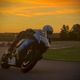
pixel 18 15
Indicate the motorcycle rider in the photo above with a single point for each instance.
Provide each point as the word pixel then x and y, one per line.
pixel 30 34
pixel 27 49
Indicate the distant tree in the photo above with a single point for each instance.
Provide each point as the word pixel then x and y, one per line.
pixel 75 32
pixel 64 33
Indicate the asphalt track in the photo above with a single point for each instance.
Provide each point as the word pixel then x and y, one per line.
pixel 45 70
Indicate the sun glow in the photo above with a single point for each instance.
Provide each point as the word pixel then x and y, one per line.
pixel 15 15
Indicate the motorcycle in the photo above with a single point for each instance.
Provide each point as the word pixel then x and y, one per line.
pixel 26 53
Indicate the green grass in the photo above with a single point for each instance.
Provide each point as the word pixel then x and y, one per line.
pixel 66 54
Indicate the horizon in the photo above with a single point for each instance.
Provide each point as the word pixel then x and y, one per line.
pixel 16 16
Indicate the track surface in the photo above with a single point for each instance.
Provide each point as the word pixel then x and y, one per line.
pixel 45 70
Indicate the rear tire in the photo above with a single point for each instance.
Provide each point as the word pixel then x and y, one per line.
pixel 4 61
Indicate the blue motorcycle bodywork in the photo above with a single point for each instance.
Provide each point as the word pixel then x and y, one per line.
pixel 24 43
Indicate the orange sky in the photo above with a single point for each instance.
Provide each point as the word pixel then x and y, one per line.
pixel 17 15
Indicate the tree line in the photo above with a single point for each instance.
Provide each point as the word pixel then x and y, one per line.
pixel 65 34
pixel 70 34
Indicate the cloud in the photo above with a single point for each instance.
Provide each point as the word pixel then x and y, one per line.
pixel 38 11
pixel 32 3
pixel 38 7
pixel 58 12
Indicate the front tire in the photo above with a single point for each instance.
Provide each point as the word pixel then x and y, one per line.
pixel 27 67
pixel 30 59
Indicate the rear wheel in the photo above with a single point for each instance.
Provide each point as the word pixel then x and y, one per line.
pixel 4 61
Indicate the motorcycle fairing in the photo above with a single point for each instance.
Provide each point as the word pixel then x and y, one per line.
pixel 24 44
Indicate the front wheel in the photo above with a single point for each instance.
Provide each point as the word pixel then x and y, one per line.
pixel 30 59
pixel 27 66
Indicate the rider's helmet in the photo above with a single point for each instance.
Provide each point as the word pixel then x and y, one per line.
pixel 49 31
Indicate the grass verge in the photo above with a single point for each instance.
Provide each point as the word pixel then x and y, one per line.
pixel 66 54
